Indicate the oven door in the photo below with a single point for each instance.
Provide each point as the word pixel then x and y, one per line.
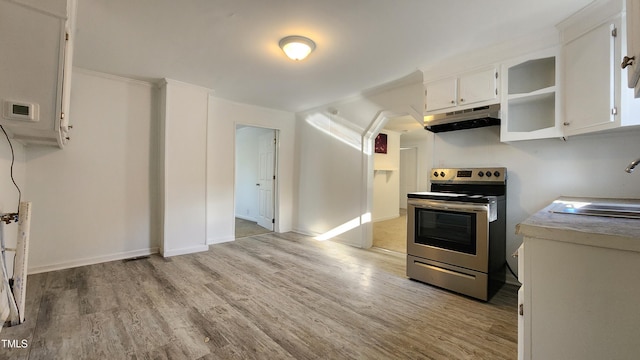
pixel 451 232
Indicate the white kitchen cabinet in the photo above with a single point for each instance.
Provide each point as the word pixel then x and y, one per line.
pixel 441 94
pixel 580 287
pixel 521 304
pixel 633 46
pixel 595 97
pixel 479 86
pixel 579 301
pixel 35 38
pixel 468 90
pixel 531 97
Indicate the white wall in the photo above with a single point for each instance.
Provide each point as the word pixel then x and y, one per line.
pixel 99 199
pixel 335 160
pixel 93 201
pixel 183 154
pixel 247 172
pixel 386 180
pixel 330 173
pixel 223 117
pixel 9 193
pixel 418 139
pixel 408 173
pixel 541 170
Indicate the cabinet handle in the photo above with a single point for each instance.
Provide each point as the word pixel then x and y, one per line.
pixel 626 61
pixel 461 100
pixel 453 101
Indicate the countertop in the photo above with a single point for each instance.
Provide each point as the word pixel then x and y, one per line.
pixel 599 231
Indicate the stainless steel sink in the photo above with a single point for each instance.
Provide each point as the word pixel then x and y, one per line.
pixel 627 209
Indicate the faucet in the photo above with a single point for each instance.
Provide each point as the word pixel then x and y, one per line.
pixel 632 165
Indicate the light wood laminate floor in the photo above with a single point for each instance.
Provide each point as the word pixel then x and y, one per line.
pixel 273 296
pixel 246 228
pixel 391 234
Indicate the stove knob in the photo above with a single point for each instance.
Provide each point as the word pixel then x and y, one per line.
pixel 481 174
pixel 496 173
pixel 442 173
pixel 435 173
pixel 488 173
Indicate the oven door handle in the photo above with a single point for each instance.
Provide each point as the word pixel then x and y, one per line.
pixel 449 205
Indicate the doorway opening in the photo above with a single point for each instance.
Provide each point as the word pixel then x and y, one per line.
pixel 255 180
pixel 395 174
pixel 390 233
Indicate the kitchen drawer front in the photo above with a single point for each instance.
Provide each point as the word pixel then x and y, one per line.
pixel 464 281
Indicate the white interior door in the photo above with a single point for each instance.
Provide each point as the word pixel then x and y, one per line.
pixel 408 174
pixel 266 166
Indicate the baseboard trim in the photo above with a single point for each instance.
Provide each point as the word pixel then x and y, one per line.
pixel 92 260
pixel 220 241
pixel 184 251
pixel 305 232
pixel 248 218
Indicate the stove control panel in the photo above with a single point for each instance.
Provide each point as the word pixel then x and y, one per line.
pixel 469 175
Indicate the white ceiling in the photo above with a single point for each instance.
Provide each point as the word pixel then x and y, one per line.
pixel 231 46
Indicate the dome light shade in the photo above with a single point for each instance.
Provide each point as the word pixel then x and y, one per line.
pixel 297 47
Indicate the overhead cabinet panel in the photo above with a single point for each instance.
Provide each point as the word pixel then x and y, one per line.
pixel 596 94
pixel 35 70
pixel 589 79
pixel 441 94
pixel 632 60
pixel 530 99
pixel 465 91
pixel 54 7
pixel 29 71
pixel 478 86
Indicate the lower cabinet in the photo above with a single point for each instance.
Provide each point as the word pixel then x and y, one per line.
pixel 521 323
pixel 577 301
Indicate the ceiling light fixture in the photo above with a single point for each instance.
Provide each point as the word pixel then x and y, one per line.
pixel 297 47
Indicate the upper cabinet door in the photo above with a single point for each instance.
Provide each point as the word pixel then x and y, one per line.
pixel 57 8
pixel 35 38
pixel 467 89
pixel 441 94
pixel 590 79
pixel 478 86
pixel 633 45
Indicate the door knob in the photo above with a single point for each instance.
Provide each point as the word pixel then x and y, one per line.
pixel 626 61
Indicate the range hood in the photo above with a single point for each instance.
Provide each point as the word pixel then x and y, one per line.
pixel 463 119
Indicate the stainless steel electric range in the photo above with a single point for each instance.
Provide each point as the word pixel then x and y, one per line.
pixel 456 233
